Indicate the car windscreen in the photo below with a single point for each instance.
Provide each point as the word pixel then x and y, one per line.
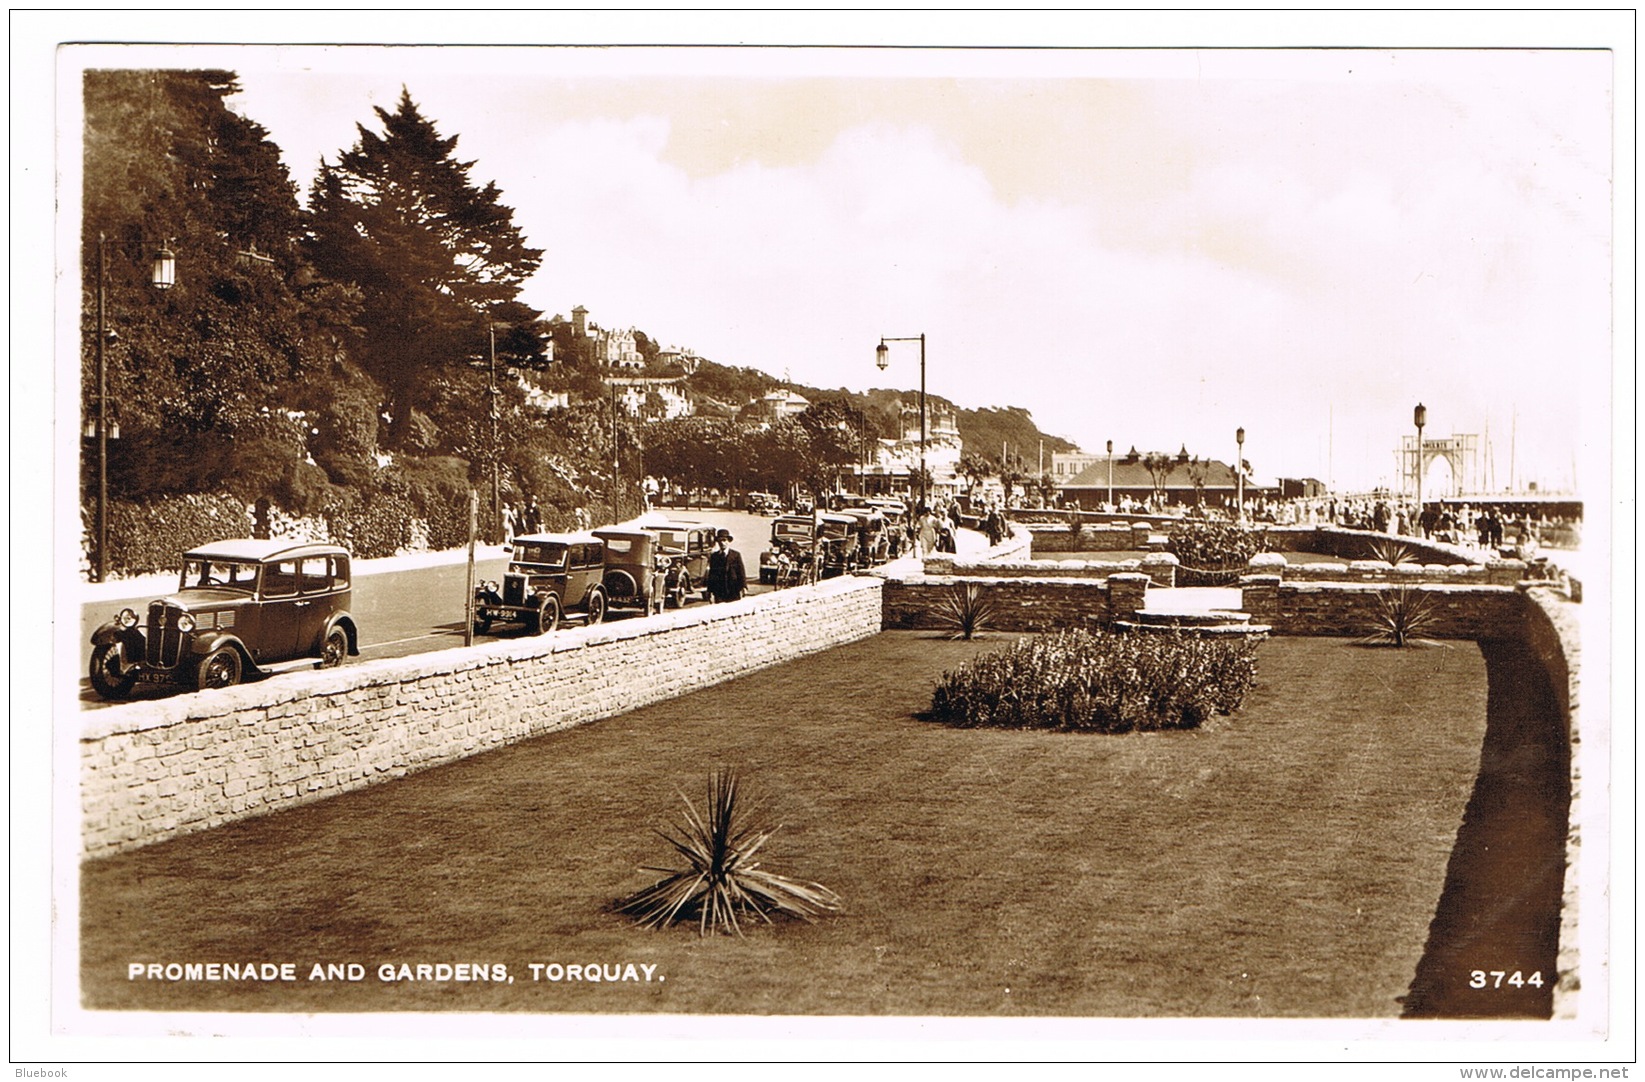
pixel 540 553
pixel 220 574
pixel 791 531
pixel 672 539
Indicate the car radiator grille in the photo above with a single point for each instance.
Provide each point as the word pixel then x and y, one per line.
pixel 165 642
pixel 514 589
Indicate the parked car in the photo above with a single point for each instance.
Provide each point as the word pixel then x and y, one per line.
pixel 764 503
pixel 873 544
pixel 686 546
pixel 242 606
pixel 548 576
pixel 636 568
pixel 791 543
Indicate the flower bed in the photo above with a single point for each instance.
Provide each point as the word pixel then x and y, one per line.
pixel 1099 681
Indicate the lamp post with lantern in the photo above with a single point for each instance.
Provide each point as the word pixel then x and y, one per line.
pixel 162 276
pixel 1420 417
pixel 1110 475
pixel 882 359
pixel 1239 471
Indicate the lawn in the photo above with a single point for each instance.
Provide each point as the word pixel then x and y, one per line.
pixel 1286 861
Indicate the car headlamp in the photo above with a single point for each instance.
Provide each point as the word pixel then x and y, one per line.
pixel 127 618
pixel 185 622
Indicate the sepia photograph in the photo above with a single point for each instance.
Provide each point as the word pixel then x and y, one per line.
pixel 984 537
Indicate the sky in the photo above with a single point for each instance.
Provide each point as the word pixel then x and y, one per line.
pixel 1156 247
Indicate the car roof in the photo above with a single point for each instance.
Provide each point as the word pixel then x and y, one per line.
pixel 624 531
pixel 264 549
pixel 556 538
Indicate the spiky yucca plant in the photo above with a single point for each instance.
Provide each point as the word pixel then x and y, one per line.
pixel 722 881
pixel 1392 552
pixel 1404 616
pixel 964 610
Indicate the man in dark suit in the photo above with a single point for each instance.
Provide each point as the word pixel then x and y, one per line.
pixel 726 578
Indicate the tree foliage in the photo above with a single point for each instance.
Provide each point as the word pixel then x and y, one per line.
pixel 435 257
pixel 197 374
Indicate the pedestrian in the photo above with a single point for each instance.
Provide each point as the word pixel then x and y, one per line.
pixel 726 579
pixel 945 537
pixel 925 533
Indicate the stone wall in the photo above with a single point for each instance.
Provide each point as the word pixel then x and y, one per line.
pixel 1026 604
pixel 153 770
pixel 1105 537
pixel 1353 609
pixel 1493 571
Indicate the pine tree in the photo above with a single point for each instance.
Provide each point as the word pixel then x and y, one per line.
pixel 435 257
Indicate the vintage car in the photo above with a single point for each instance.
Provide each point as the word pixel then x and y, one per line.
pixel 763 503
pixel 873 542
pixel 686 545
pixel 791 545
pixel 637 570
pixel 894 511
pixel 242 606
pixel 548 576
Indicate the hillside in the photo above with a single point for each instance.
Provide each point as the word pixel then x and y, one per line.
pixel 719 390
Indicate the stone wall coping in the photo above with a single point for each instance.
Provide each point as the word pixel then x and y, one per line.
pixel 1006 580
pixel 288 687
pixel 1373 587
pixel 1157 559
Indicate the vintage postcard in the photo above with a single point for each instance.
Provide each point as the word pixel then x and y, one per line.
pixel 1024 537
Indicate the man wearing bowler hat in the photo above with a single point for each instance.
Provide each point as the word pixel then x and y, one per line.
pixel 726 579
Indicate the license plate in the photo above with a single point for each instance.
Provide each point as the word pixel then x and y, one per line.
pixel 152 676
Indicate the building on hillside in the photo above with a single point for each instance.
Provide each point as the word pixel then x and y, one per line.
pixel 1067 465
pixel 685 359
pixel 892 466
pixel 612 349
pixel 778 404
pixel 659 398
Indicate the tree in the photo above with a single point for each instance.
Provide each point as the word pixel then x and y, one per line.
pixel 435 257
pixel 204 377
pixel 1159 467
pixel 975 469
pixel 839 434
pixel 1197 469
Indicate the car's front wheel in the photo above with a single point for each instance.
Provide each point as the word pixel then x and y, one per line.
pixel 218 669
pixel 335 648
pixel 681 588
pixel 596 606
pixel 110 676
pixel 546 616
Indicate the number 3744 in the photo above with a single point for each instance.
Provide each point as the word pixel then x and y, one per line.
pixel 1499 978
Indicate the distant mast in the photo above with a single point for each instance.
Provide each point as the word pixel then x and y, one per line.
pixel 1513 450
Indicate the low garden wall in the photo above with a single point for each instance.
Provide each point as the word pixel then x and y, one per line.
pixel 154 770
pixel 1353 609
pixel 1025 604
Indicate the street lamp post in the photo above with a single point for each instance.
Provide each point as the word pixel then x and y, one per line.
pixel 1110 475
pixel 882 359
pixel 1239 471
pixel 1420 416
pixel 162 276
pixel 496 471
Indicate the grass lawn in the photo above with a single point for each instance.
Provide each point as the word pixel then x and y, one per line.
pixel 1286 861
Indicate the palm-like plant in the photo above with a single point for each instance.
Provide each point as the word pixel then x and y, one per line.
pixel 721 881
pixel 1404 618
pixel 1392 552
pixel 964 609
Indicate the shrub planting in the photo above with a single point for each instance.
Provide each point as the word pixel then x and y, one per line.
pixel 147 537
pixel 964 610
pixel 722 882
pixel 1213 553
pixel 1405 617
pixel 1100 681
